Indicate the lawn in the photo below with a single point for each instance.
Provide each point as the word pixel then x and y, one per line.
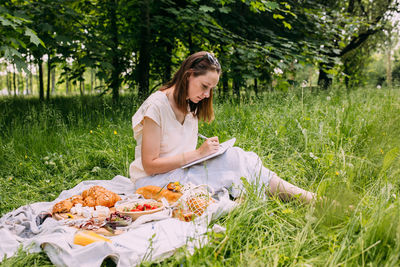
pixel 341 144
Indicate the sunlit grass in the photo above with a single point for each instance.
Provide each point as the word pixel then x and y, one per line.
pixel 338 144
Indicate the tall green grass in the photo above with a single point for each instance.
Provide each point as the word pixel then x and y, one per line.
pixel 344 145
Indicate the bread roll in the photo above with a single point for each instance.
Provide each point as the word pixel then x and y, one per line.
pixel 183 215
pixel 94 196
pixel 197 205
pixel 89 201
pixel 105 199
pixel 157 193
pixel 77 199
pixel 63 206
pixel 85 194
pixel 116 198
pixel 96 190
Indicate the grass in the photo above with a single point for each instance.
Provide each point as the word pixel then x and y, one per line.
pixel 344 145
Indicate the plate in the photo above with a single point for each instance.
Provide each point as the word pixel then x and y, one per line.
pixel 64 216
pixel 136 214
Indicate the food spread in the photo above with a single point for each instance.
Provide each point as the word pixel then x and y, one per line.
pixel 95 210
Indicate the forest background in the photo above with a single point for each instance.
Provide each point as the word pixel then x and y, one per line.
pixel 310 86
pixel 86 47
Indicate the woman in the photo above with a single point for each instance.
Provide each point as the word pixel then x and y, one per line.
pixel 166 127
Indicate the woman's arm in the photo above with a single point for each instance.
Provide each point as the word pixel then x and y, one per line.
pixel 151 143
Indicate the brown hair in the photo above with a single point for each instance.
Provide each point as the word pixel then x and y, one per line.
pixel 197 64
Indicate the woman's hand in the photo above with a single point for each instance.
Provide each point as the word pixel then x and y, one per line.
pixel 210 146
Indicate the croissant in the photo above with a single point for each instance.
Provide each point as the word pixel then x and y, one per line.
pixel 85 194
pixel 77 199
pixel 89 201
pixel 94 196
pixel 96 190
pixel 63 206
pixel 116 198
pixel 157 193
pixel 105 199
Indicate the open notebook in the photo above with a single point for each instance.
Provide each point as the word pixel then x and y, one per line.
pixel 222 148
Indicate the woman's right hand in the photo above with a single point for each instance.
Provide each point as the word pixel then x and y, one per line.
pixel 210 146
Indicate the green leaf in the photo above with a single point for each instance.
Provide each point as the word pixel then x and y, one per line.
pixel 21 65
pixel 225 9
pixel 278 16
pixel 271 5
pixel 33 37
pixel 287 25
pixel 390 158
pixel 206 8
pixel 6 22
pixel 10 52
pixel 205 30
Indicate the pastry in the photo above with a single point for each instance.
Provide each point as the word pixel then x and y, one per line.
pixel 94 196
pixel 197 205
pixel 77 199
pixel 105 199
pixel 90 202
pixel 63 206
pixel 157 193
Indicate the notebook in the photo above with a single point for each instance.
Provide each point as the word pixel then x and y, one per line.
pixel 222 148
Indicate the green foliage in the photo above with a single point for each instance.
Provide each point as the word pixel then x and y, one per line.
pixel 140 43
pixel 341 145
pixel 14 29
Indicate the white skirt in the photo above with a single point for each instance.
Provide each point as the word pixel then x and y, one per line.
pixel 224 171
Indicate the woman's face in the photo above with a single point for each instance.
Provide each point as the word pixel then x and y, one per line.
pixel 200 86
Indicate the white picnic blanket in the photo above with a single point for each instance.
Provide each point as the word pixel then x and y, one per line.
pixel 150 237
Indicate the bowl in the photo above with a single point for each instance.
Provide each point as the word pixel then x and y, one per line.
pixel 125 208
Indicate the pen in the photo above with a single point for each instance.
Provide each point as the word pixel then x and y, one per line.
pixel 201 136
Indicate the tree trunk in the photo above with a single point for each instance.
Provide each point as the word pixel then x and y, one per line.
pixel 48 76
pixel 66 84
pixel 144 52
pixel 14 83
pixel 41 86
pixel 346 77
pixel 116 72
pixel 30 83
pixel 95 80
pixel 53 80
pixel 81 85
pixel 91 80
pixel 20 84
pixel 310 76
pixel 255 86
pixel 8 81
pixel 27 84
pixel 389 64
pixel 324 79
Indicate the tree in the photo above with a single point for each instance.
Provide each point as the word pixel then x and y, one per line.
pixel 16 32
pixel 349 25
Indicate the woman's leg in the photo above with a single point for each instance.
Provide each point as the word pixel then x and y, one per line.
pixel 286 191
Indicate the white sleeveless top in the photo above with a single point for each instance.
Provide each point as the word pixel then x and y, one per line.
pixel 176 138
